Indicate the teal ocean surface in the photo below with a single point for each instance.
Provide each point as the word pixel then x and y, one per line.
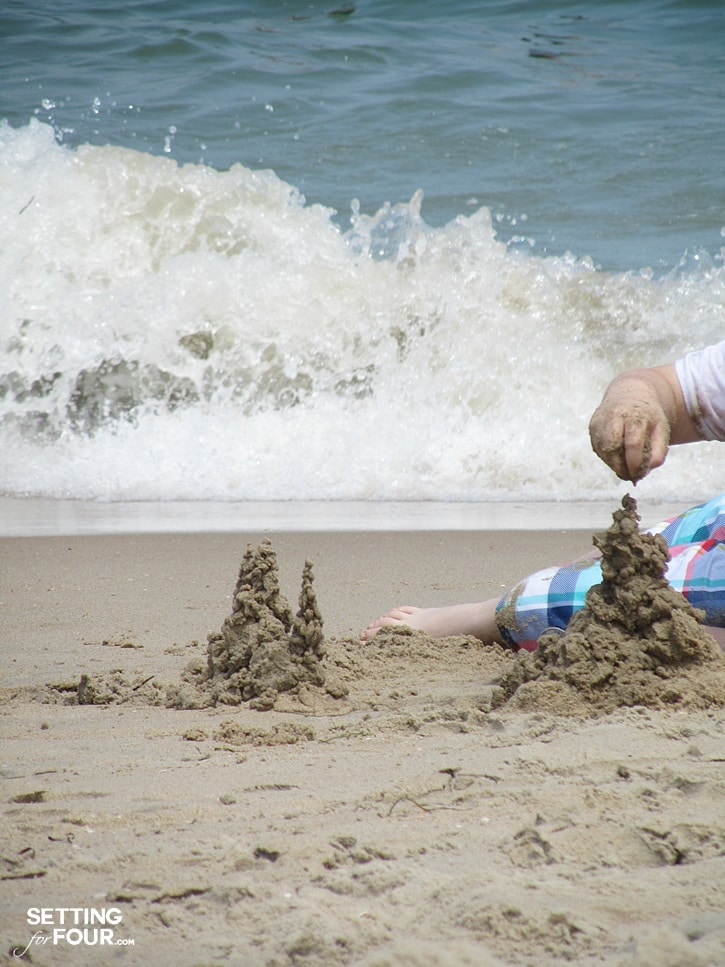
pixel 359 250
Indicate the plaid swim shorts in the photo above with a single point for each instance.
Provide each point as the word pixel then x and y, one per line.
pixel 547 600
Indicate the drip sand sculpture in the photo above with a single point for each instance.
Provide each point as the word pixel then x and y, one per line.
pixel 636 642
pixel 262 650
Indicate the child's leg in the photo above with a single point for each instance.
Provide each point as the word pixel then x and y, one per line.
pixel 540 602
pixel 545 601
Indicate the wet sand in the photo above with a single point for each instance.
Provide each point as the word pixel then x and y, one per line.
pixel 404 824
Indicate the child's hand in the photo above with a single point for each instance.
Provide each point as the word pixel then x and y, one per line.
pixel 630 430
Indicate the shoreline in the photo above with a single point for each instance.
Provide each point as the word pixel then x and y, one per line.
pixel 44 517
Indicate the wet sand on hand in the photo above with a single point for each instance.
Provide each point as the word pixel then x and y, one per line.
pixel 404 823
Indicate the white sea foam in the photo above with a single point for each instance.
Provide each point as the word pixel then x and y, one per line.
pixel 177 332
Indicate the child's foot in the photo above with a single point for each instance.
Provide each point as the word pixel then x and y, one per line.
pixel 456 619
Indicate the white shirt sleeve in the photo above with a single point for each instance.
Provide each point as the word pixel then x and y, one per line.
pixel 702 379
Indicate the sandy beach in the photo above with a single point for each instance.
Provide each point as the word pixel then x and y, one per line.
pixel 405 823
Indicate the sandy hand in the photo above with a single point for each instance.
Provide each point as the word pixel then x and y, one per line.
pixel 630 431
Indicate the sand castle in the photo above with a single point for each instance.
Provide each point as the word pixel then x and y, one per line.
pixel 262 649
pixel 261 652
pixel 636 642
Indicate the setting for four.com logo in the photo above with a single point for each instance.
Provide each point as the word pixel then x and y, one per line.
pixel 74 927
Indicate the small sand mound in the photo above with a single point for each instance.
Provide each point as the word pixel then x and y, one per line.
pixel 261 650
pixel 636 642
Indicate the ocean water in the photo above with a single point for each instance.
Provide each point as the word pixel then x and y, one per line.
pixel 357 251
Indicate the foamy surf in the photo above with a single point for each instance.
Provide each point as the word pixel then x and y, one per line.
pixel 176 332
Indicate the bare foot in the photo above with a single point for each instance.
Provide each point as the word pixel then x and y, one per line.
pixel 457 619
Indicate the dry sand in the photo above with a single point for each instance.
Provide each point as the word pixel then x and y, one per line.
pixel 403 824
